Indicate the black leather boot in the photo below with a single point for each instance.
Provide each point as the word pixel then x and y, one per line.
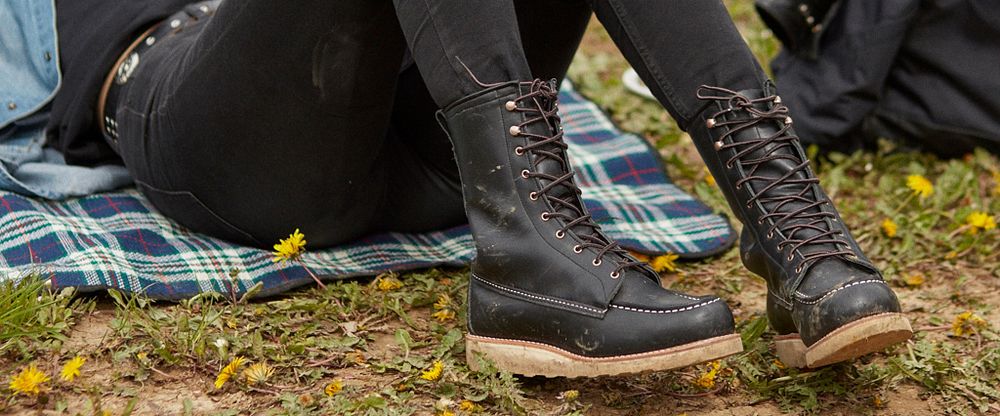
pixel 826 300
pixel 550 294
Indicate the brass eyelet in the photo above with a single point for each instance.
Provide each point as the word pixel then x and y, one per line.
pixel 560 234
pixel 710 123
pixel 718 145
pixel 615 275
pixel 524 174
pixel 770 234
pixel 578 249
pixel 510 105
pixel 546 216
pixel 739 186
pixel 760 221
pixel 519 150
pixel 791 256
pixel 777 99
pixel 597 262
pixel 798 269
pixel 533 196
pixel 788 120
pixel 514 130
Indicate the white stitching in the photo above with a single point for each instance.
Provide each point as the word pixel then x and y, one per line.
pixel 830 293
pixel 543 298
pixel 664 311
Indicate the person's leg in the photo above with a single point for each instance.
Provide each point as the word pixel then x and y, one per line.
pixel 550 294
pixel 827 300
pixel 269 117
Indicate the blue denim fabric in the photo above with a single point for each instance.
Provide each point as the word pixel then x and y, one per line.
pixel 29 78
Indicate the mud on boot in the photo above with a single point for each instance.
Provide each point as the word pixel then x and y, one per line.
pixel 550 294
pixel 826 300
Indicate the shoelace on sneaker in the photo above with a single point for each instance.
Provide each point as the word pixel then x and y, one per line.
pixel 542 107
pixel 792 222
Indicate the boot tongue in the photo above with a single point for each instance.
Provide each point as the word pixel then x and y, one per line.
pixel 775 169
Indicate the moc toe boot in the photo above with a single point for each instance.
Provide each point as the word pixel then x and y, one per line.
pixel 826 300
pixel 550 294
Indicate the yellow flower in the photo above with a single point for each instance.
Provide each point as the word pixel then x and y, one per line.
pixel 388 283
pixel 889 227
pixel 71 370
pixel 920 185
pixel 914 279
pixel 778 363
pixel 996 183
pixel 229 371
pixel 29 381
pixel 443 301
pixel 434 373
pixel 877 400
pixel 291 247
pixel 709 179
pixel 444 315
pixel 967 323
pixel 980 221
pixel 258 373
pixel 334 387
pixel 707 379
pixel 446 412
pixel 570 395
pixel 469 407
pixel 664 262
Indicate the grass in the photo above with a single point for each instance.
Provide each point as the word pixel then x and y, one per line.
pixel 373 342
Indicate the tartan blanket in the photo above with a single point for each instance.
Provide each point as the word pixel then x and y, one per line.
pixel 118 240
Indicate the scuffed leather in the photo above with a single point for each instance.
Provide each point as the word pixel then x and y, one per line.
pixel 811 301
pixel 529 285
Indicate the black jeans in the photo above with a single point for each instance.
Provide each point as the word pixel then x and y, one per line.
pixel 271 116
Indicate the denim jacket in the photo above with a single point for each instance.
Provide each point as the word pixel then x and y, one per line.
pixel 29 79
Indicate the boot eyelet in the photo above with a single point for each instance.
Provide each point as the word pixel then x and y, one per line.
pixel 597 262
pixel 777 99
pixel 788 120
pixel 770 234
pixel 791 256
pixel 510 105
pixel 533 196
pixel 761 222
pixel 710 123
pixel 718 145
pixel 740 186
pixel 798 269
pixel 519 150
pixel 577 249
pixel 514 130
pixel 545 216
pixel 749 205
pixel 615 275
pixel 524 174
pixel 560 234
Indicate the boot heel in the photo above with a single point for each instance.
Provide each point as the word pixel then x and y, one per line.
pixel 864 336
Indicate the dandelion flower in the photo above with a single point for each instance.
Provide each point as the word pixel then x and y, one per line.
pixel 334 387
pixel 71 369
pixel 469 407
pixel 707 379
pixel 258 373
pixel 434 373
pixel 291 247
pixel 967 323
pixel 446 412
pixel 444 315
pixel 443 301
pixel 709 179
pixel 980 221
pixel 889 227
pixel 664 262
pixel 914 279
pixel 29 381
pixel 388 284
pixel 920 185
pixel 570 395
pixel 229 371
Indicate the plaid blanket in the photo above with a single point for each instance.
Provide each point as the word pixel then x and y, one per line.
pixel 118 240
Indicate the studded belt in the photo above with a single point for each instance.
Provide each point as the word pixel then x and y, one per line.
pixel 126 65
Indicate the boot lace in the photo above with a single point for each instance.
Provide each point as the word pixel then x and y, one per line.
pixel 540 105
pixel 792 220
